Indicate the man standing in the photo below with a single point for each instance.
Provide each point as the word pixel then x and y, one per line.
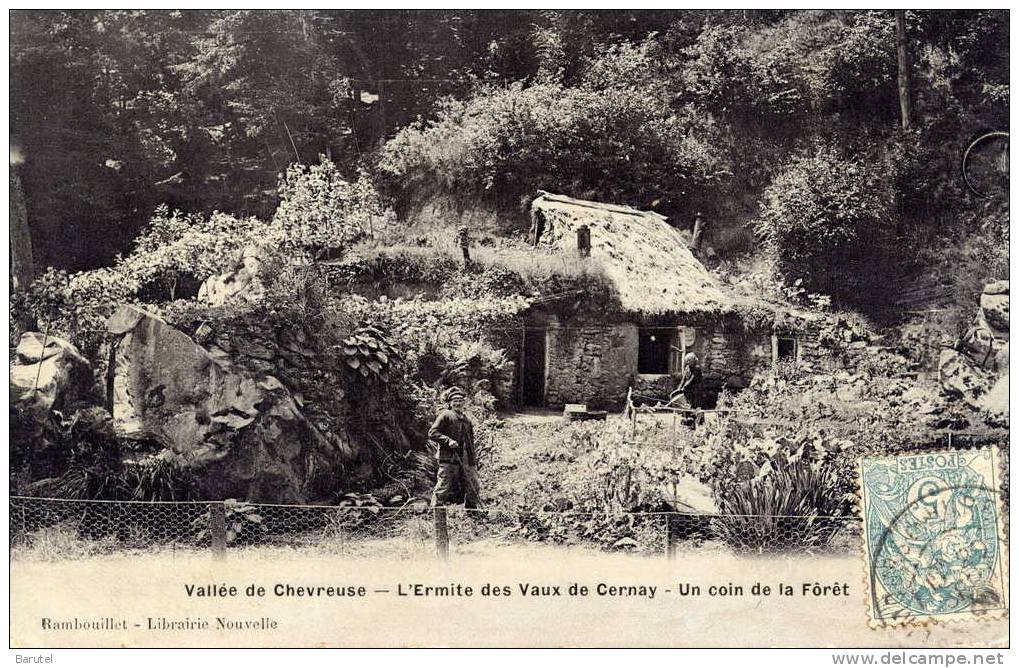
pixel 690 389
pixel 693 378
pixel 453 435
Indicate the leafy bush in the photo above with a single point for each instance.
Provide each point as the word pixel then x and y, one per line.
pixel 728 76
pixel 175 246
pixel 443 342
pixel 592 484
pixel 502 144
pixel 858 62
pixel 368 352
pixel 162 477
pixel 76 306
pixel 607 471
pixel 776 491
pixel 807 63
pixel 827 221
pixel 791 508
pixel 174 249
pixel 320 211
pixel 87 455
pixel 816 427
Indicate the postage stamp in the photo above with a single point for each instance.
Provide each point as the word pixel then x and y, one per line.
pixel 933 537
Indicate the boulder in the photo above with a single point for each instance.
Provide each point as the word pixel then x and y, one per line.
pixel 242 431
pixel 994 308
pixel 986 342
pixel 963 378
pixel 242 284
pixel 48 373
pixel 995 402
pixel 694 497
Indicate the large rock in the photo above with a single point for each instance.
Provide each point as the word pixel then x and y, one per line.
pixel 48 373
pixel 243 283
pixel 963 378
pixel 987 340
pixel 995 402
pixel 978 371
pixel 994 308
pixel 242 431
pixel 994 314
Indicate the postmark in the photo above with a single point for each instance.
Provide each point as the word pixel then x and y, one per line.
pixel 933 539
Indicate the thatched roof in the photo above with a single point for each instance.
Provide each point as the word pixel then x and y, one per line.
pixel 645 258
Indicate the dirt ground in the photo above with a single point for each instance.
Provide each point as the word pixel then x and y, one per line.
pixel 135 588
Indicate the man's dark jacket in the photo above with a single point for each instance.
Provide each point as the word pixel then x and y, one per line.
pixel 450 429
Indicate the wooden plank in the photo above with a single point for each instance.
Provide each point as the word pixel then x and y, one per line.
pixel 441 533
pixel 217 528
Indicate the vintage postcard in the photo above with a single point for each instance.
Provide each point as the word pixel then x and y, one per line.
pixel 509 328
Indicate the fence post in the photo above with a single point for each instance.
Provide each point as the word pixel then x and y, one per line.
pixel 217 528
pixel 441 533
pixel 670 544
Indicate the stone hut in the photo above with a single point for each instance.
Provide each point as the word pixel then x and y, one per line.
pixel 668 304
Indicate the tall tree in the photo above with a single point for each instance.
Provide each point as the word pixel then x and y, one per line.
pixel 22 258
pixel 905 70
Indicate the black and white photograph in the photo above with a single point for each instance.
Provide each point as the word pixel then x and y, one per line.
pixel 417 328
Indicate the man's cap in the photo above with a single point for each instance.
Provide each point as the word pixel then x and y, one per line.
pixel 453 393
pixel 690 357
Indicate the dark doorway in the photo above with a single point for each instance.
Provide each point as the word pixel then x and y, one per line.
pixel 653 347
pixel 532 368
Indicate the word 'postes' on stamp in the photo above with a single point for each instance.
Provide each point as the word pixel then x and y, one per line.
pixel 932 537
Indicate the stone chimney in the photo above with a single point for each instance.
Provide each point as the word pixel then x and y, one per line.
pixel 698 233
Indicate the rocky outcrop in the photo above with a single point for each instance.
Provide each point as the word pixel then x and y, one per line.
pixel 243 283
pixel 48 373
pixel 243 432
pixel 961 377
pixel 994 308
pixel 977 371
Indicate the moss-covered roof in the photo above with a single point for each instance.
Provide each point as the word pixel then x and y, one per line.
pixel 642 255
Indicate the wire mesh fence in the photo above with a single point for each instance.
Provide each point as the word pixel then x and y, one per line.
pixel 61 528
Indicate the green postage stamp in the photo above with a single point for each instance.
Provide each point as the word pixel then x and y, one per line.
pixel 933 537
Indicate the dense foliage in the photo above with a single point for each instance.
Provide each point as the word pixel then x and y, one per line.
pixel 614 143
pixel 721 111
pixel 323 133
pixel 319 212
pixel 828 220
pixel 115 111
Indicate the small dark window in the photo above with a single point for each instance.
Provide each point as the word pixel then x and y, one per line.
pixel 786 349
pixel 653 350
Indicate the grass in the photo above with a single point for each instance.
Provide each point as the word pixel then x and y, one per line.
pixel 62 542
pixel 535 266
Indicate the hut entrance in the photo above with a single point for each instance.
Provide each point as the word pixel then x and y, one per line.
pixel 532 367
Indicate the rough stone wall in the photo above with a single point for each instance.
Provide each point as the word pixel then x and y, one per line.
pixel 811 351
pixel 596 363
pixel 654 386
pixel 590 363
pixel 731 357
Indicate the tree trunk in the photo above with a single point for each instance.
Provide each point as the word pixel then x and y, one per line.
pixel 22 259
pixel 905 66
